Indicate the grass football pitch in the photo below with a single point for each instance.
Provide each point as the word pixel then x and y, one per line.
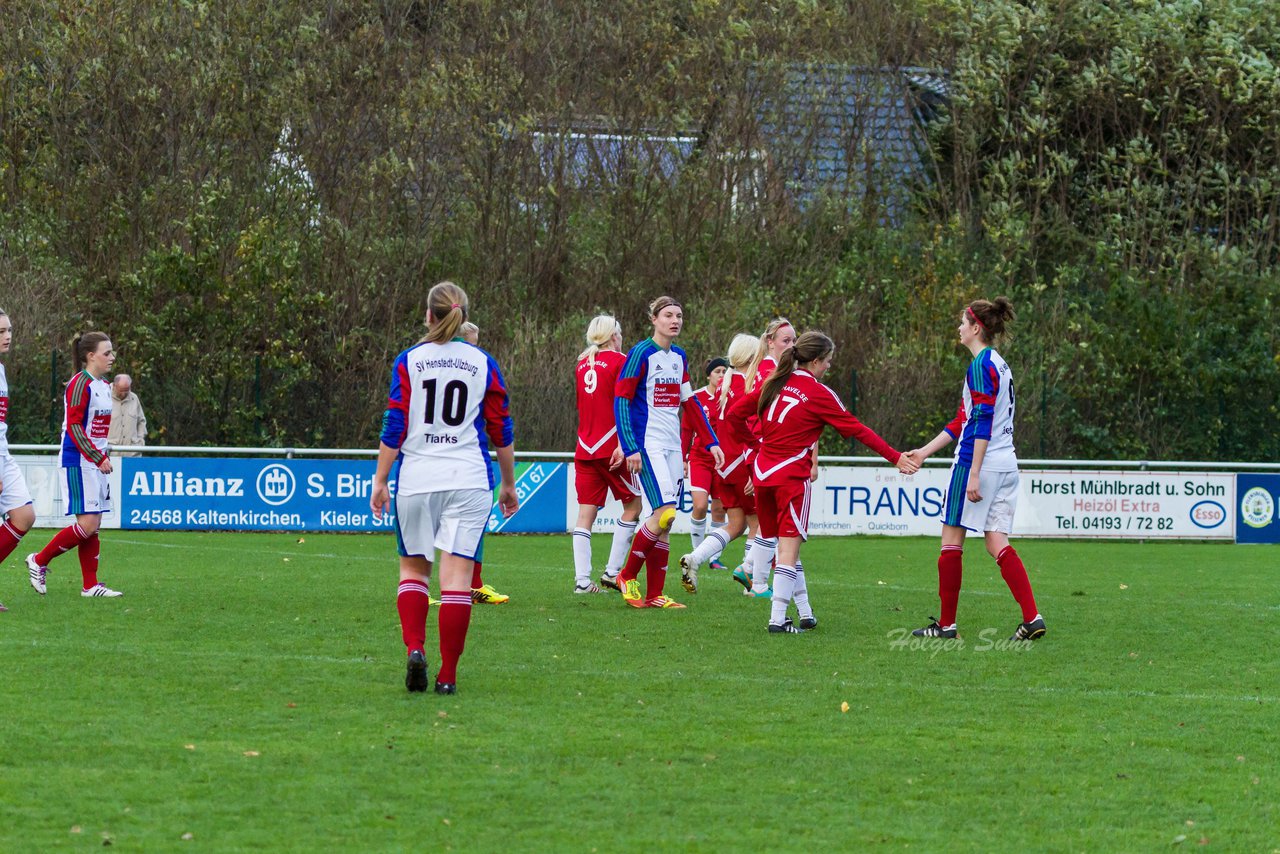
pixel 247 694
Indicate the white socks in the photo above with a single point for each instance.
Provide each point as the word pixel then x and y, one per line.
pixel 801 594
pixel 621 545
pixel 762 552
pixel 712 545
pixel 698 530
pixel 582 555
pixel 784 585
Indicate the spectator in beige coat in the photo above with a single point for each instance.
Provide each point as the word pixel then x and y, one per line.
pixel 128 421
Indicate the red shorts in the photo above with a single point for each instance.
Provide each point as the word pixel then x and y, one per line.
pixel 594 480
pixel 703 477
pixel 734 495
pixel 784 508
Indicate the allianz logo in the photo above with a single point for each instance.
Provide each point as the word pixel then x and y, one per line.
pixel 275 485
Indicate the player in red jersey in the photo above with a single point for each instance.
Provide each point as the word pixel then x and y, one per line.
pixel 700 470
pixel 735 474
pixel 86 493
pixel 597 459
pixel 792 408
pixel 15 499
pixel 778 336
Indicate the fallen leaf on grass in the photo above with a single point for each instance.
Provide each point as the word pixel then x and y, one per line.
pixel 1179 839
pixel 844 707
pixel 187 837
pixel 252 753
pixel 1124 587
pixel 302 539
pixel 189 746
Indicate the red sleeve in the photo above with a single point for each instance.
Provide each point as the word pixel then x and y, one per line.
pixel 78 397
pixel 687 432
pixel 739 416
pixel 692 408
pixel 957 423
pixel 849 426
pixel 497 409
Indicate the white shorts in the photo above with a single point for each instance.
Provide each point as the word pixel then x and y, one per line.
pixel 662 477
pixel 994 512
pixel 453 521
pixel 85 489
pixel 13 486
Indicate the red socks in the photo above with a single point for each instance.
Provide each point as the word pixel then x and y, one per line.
pixel 9 538
pixel 1015 575
pixel 641 545
pixel 88 550
pixel 455 617
pixel 950 569
pixel 655 569
pixel 476 583
pixel 412 603
pixel 63 541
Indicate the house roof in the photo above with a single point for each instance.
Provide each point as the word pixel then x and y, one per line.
pixel 853 131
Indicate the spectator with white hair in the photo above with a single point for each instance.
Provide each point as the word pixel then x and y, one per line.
pixel 128 421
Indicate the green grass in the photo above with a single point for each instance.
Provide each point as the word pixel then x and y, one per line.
pixel 248 691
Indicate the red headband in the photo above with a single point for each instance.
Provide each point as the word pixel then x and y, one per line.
pixel 969 309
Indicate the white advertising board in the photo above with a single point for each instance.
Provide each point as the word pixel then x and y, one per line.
pixel 1070 504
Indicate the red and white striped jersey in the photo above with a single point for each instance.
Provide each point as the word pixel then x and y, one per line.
pixel 792 424
pixel 595 379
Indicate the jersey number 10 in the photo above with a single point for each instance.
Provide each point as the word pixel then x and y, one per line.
pixel 453 403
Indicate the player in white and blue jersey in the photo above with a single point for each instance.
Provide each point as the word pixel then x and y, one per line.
pixel 85 466
pixel 448 402
pixel 983 492
pixel 651 390
pixel 15 498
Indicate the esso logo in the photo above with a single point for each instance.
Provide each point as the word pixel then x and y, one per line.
pixel 1208 514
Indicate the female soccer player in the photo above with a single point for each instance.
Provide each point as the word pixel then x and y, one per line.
pixel 777 338
pixel 654 385
pixel 86 492
pixel 481 593
pixel 984 475
pixel 448 401
pixel 15 499
pixel 793 406
pixel 597 459
pixel 700 471
pixel 753 575
pixel 735 474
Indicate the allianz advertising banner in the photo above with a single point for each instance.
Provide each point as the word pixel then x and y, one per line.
pixel 285 495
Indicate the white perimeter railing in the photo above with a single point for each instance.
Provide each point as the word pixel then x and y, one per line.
pixel 291 453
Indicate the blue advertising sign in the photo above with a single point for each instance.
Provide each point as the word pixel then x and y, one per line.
pixel 248 495
pixel 1257 498
pixel 297 495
